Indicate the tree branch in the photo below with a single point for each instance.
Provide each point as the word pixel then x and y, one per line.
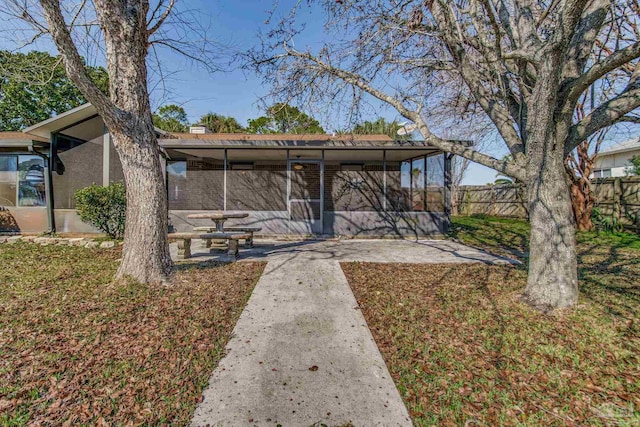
pixel 629 119
pixel 161 19
pixel 598 70
pixel 496 112
pixel 606 114
pixel 73 62
pixel 504 166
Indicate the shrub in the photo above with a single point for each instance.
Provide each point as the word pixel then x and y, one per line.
pixel 7 221
pixel 103 207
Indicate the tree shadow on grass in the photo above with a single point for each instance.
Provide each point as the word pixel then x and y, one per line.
pixel 492 233
pixel 609 276
pixel 201 265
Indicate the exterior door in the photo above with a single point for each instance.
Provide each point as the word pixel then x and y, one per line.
pixel 305 195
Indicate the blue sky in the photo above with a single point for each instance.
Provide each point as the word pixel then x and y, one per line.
pixel 237 92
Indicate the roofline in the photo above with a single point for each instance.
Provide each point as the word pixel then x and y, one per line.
pixel 621 150
pixel 57 117
pixel 21 143
pixel 292 144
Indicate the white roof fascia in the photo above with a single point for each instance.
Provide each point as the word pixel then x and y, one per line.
pixel 62 120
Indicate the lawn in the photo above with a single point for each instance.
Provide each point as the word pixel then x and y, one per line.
pixel 79 349
pixel 463 350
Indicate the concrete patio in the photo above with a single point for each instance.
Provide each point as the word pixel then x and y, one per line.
pixel 364 250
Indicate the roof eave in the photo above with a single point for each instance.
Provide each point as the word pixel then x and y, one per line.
pixel 46 127
pixel 622 150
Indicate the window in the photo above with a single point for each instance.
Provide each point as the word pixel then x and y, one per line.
pixel 31 181
pixel 177 176
pixel 22 181
pixel 602 173
pixel 412 174
pixel 8 180
pixel 422 183
pixel 435 183
pixel 418 198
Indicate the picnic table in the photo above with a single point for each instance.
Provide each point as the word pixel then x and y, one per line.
pixel 218 217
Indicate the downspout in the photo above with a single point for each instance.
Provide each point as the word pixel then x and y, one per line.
pixel 51 221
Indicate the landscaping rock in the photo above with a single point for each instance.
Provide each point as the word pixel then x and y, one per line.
pixel 63 242
pixel 14 239
pixel 108 244
pixel 78 241
pixel 91 245
pixel 3 239
pixel 40 240
pixel 28 238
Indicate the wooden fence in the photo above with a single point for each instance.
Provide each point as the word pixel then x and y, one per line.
pixel 617 198
pixel 498 200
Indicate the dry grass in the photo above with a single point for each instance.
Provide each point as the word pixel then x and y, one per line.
pixel 78 349
pixel 463 350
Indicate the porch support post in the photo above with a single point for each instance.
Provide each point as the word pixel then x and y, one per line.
pixel 322 191
pixel 288 191
pixel 53 153
pixel 448 182
pixel 106 155
pixel 411 184
pixel 384 180
pixel 48 195
pixel 424 184
pixel 224 184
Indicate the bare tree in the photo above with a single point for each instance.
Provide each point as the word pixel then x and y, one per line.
pixel 581 161
pixel 125 31
pixel 525 63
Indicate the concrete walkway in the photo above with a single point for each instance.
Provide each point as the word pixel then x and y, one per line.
pixel 302 353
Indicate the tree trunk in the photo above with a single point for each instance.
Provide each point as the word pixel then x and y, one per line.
pixel 127 115
pixel 553 269
pixel 582 202
pixel 553 279
pixel 145 254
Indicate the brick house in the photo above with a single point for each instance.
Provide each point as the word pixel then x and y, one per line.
pixel 366 185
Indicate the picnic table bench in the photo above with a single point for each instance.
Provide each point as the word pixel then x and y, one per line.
pixel 184 241
pixel 248 242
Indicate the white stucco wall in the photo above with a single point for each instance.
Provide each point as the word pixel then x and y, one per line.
pixel 617 162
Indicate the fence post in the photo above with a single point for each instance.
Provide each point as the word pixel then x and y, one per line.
pixel 467 199
pixel 617 197
pixel 494 198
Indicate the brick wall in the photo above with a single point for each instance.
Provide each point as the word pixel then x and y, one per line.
pixel 201 188
pixel 83 167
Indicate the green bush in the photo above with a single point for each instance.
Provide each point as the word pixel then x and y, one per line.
pixel 103 207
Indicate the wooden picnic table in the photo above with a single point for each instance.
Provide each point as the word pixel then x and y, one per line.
pixel 218 217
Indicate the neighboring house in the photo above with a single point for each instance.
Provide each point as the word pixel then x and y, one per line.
pixel 615 160
pixel 289 184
